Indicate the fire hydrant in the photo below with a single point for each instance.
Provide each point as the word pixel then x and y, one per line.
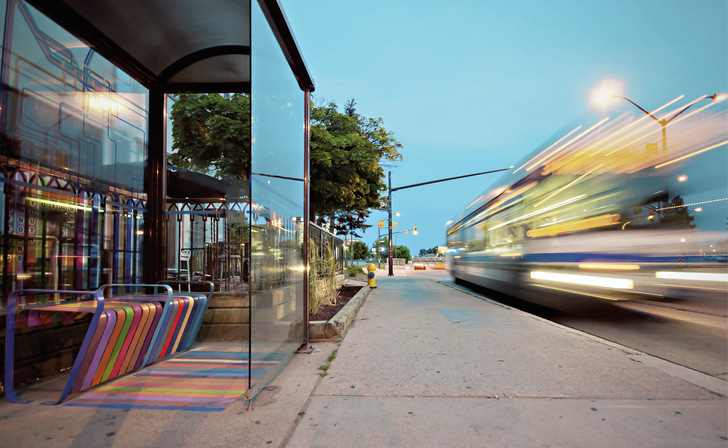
pixel 372 280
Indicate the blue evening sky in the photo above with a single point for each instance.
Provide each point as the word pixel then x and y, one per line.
pixel 475 85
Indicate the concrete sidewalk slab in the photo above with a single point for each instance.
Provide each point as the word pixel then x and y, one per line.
pixel 270 422
pixel 426 364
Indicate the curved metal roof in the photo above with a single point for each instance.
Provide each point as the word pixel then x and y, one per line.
pixel 177 45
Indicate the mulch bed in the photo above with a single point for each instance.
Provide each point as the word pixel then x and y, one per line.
pixel 326 312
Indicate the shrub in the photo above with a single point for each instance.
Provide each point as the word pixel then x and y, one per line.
pixel 353 271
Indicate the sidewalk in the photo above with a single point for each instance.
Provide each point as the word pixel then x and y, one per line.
pixel 426 364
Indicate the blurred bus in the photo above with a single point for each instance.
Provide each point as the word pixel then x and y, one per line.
pixel 607 212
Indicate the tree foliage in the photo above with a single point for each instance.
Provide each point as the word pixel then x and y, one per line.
pixel 397 251
pixel 346 176
pixel 402 252
pixel 211 134
pixel 360 250
pixel 429 252
pixel 676 215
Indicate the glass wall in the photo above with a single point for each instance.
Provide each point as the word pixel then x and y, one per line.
pixel 208 201
pixel 277 207
pixel 73 133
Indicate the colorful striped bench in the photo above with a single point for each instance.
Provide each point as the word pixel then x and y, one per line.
pixel 126 333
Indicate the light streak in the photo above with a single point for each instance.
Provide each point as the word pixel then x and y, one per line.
pixel 610 266
pixel 538 212
pixel 578 179
pixel 586 280
pixel 474 202
pixel 717 145
pixel 635 123
pixel 572 291
pixel 62 204
pixel 510 196
pixel 705 276
pixel 570 142
pixel 690 205
pixel 575 226
pixel 554 144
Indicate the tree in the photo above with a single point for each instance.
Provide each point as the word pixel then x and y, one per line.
pixel 675 215
pixel 349 222
pixel 402 252
pixel 211 134
pixel 360 250
pixel 346 151
pixel 397 251
pixel 431 252
pixel 381 248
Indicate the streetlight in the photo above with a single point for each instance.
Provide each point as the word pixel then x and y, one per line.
pixel 664 121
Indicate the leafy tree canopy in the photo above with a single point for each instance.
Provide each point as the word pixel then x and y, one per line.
pixel 677 215
pixel 346 176
pixel 360 250
pixel 430 252
pixel 212 135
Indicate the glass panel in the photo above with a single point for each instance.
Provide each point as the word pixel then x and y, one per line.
pixel 277 270
pixel 74 150
pixel 72 201
pixel 277 265
pixel 208 202
pixel 278 119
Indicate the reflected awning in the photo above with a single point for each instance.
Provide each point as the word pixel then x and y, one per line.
pixel 182 183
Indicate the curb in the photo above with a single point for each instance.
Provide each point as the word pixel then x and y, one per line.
pixel 337 327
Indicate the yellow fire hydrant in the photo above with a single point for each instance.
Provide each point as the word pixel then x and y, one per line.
pixel 372 280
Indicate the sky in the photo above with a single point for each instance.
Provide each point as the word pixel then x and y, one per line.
pixel 468 86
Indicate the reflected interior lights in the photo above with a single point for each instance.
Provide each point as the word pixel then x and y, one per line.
pixel 603 282
pixel 717 145
pixel 610 266
pixel 704 276
pixel 62 204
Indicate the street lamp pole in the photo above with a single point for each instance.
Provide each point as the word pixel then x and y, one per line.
pixel 663 122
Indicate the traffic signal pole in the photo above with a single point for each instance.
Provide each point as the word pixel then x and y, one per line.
pixel 389 206
pixel 389 202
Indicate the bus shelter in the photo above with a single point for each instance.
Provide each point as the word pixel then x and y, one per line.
pixel 89 199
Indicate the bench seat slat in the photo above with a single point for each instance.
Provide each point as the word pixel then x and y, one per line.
pixel 126 333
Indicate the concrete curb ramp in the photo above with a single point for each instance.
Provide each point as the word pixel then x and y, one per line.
pixel 338 325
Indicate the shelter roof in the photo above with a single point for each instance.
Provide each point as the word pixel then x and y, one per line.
pixel 177 45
